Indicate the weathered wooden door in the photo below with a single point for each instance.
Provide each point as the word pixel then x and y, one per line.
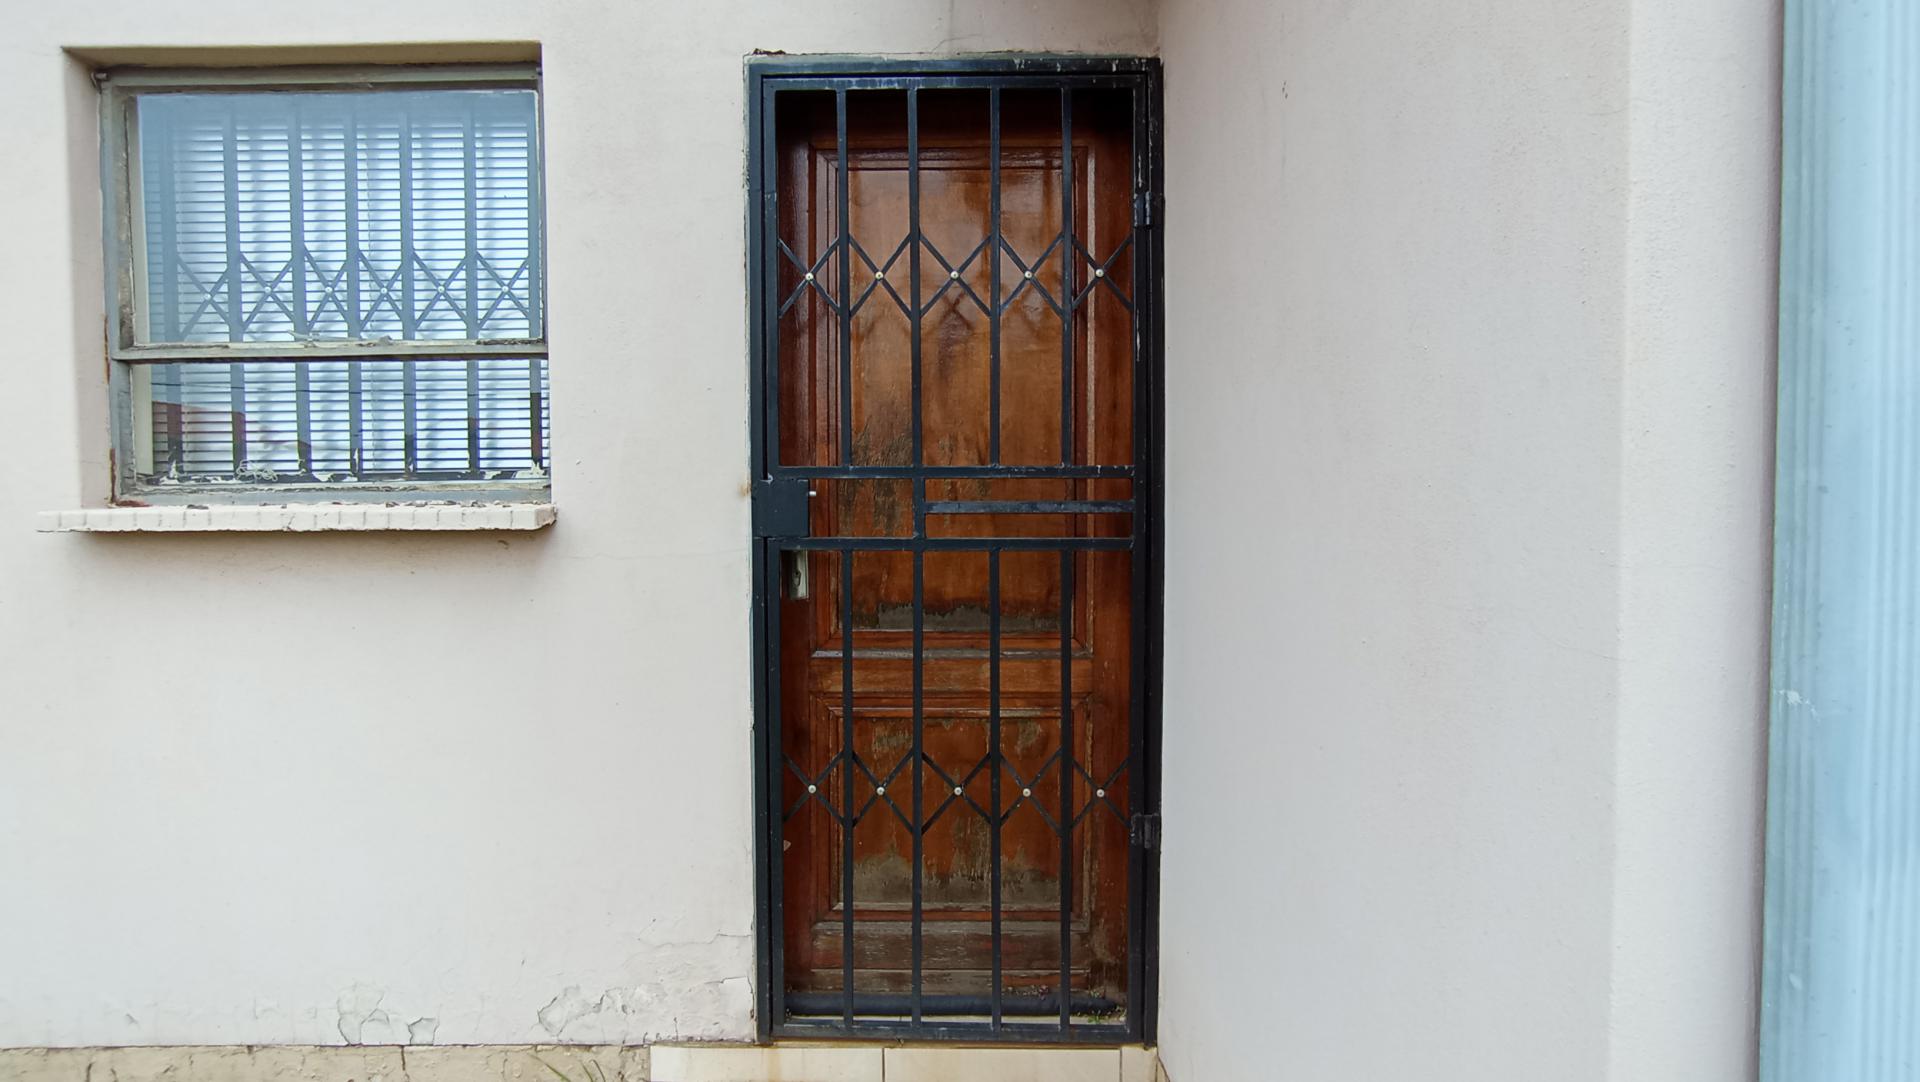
pixel 953 495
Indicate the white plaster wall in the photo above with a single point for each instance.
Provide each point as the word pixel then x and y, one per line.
pixel 1695 538
pixel 1470 315
pixel 498 787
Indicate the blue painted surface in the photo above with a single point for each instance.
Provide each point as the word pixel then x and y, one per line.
pixel 1840 997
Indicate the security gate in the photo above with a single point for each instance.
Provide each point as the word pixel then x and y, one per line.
pixel 955 331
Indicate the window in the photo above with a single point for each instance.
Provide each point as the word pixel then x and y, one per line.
pixel 327 284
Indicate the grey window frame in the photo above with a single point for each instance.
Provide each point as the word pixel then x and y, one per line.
pixel 124 239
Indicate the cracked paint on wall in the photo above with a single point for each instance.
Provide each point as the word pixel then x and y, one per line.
pixel 474 1063
pixel 672 996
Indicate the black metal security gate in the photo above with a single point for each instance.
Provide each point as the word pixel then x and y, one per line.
pixel 969 614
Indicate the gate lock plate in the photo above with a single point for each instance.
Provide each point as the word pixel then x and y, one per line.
pixel 780 508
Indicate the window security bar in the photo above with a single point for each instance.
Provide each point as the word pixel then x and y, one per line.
pixel 343 421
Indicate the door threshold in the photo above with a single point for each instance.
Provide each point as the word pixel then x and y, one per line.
pixel 836 1061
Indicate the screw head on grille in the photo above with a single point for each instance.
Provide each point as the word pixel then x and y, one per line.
pixel 880 791
pixel 1026 792
pixel 813 788
pixel 1100 792
pixel 1099 272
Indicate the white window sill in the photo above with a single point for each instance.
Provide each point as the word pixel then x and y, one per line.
pixel 300 518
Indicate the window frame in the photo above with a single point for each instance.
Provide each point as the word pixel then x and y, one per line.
pixel 124 244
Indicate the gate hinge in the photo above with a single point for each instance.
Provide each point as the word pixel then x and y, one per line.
pixel 1144 831
pixel 1146 208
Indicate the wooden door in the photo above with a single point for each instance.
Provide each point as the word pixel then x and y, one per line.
pixel 956 637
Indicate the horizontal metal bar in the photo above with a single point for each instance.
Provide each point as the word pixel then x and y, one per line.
pixel 327 77
pixel 367 350
pixel 784 84
pixel 384 490
pixel 1047 1004
pixel 952 544
pixel 989 64
pixel 981 1032
pixel 970 472
pixel 1030 507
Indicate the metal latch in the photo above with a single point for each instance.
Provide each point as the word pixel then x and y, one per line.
pixel 780 508
pixel 1144 831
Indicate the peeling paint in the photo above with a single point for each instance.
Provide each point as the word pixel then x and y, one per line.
pixel 671 991
pixel 358 1007
pixel 563 1009
pixel 306 1063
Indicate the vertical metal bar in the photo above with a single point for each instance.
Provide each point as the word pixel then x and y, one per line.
pixel 236 372
pixel 350 163
pixel 230 178
pixel 350 167
pixel 471 264
pixel 1066 562
pixel 1066 276
pixel 176 414
pixel 847 772
pixel 356 421
pixel 303 416
pixel 1139 561
pixel 845 181
pixel 470 261
pixel 919 556
pixel 995 766
pixel 297 218
pixel 1066 789
pixel 536 449
pixel 297 245
pixel 410 415
pixel 919 770
pixel 409 316
pixel 536 230
pixel 994 247
pixel 473 414
pixel 768 326
pixel 913 267
pixel 768 680
pixel 1143 1008
pixel 237 409
pixel 769 775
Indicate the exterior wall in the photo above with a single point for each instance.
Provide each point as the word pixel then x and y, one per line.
pixel 1695 538
pixel 1470 327
pixel 382 788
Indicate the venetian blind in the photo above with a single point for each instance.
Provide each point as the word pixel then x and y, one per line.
pixel 407 215
pixel 371 216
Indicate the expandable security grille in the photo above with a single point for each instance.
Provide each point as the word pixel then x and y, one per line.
pixel 955 330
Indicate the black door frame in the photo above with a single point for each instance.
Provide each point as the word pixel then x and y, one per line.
pixel 780 523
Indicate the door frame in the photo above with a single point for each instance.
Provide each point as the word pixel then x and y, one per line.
pixel 765 76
